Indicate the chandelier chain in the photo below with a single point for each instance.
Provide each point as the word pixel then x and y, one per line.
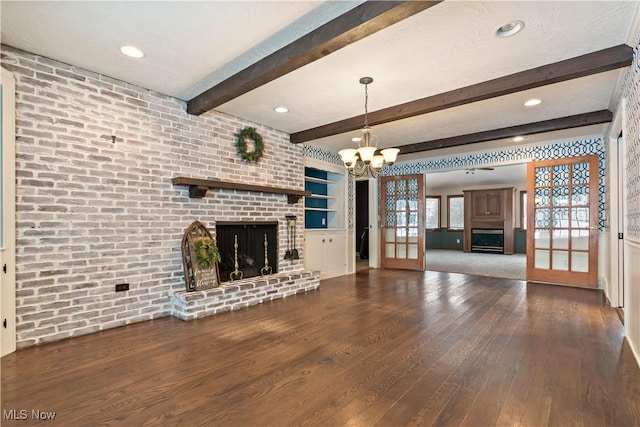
pixel 366 103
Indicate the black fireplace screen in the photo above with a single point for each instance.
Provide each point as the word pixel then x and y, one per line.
pixel 251 248
pixel 487 240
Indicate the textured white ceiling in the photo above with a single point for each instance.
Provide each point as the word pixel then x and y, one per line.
pixel 191 46
pixel 448 46
pixel 501 176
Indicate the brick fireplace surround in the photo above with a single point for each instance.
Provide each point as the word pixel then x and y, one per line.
pixel 243 293
pixel 92 213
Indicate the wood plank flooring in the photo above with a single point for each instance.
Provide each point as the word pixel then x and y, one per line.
pixel 378 348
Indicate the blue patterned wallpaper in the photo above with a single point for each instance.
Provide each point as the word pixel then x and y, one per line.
pixel 543 152
pixel 321 154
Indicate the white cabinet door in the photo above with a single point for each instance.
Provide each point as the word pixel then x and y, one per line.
pixel 325 251
pixel 335 254
pixel 314 251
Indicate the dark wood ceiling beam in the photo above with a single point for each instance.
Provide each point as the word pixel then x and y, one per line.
pixel 592 63
pixel 356 24
pixel 579 120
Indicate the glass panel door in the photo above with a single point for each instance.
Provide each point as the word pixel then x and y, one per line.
pixel 562 232
pixel 403 222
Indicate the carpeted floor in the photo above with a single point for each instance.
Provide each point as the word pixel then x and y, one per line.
pixel 494 265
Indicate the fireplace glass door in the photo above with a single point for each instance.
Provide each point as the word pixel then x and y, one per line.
pixel 256 253
pixel 487 240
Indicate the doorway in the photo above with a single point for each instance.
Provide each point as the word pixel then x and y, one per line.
pixel 445 232
pixel 621 212
pixel 615 283
pixel 362 221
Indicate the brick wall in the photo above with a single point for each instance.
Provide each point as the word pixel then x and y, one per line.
pixel 91 214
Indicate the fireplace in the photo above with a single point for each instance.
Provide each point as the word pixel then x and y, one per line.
pixel 487 240
pixel 251 248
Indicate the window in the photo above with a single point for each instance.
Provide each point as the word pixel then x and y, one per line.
pixel 456 212
pixel 523 210
pixel 432 217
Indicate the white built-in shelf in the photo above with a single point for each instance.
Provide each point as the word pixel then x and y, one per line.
pixel 324 207
pixel 320 209
pixel 320 196
pixel 318 180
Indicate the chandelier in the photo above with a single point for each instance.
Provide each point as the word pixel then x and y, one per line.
pixel 367 159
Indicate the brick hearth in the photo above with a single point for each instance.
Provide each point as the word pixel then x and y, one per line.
pixel 241 294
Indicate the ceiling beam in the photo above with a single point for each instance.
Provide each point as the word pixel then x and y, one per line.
pixel 592 63
pixel 579 120
pixel 356 24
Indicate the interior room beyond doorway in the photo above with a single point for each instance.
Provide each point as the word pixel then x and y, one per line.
pixel 445 231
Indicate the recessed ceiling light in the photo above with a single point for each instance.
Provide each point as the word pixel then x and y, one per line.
pixel 356 139
pixel 509 29
pixel 532 102
pixel 281 109
pixel 132 51
pixel 518 139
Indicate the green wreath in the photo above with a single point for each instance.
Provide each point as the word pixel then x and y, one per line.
pixel 249 135
pixel 206 252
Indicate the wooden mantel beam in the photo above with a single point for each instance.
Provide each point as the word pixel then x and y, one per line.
pixel 592 63
pixel 578 120
pixel 356 24
pixel 198 188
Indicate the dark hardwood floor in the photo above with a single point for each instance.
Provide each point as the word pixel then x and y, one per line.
pixel 381 347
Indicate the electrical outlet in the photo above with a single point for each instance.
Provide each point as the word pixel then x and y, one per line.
pixel 122 287
pixel 457 240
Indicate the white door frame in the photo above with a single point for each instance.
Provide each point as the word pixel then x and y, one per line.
pixel 617 190
pixel 7 211
pixel 374 224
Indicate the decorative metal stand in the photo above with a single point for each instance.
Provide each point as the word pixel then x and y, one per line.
pixel 266 269
pixel 235 274
pixel 294 251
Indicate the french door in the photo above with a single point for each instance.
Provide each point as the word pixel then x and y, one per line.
pixel 562 229
pixel 402 222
